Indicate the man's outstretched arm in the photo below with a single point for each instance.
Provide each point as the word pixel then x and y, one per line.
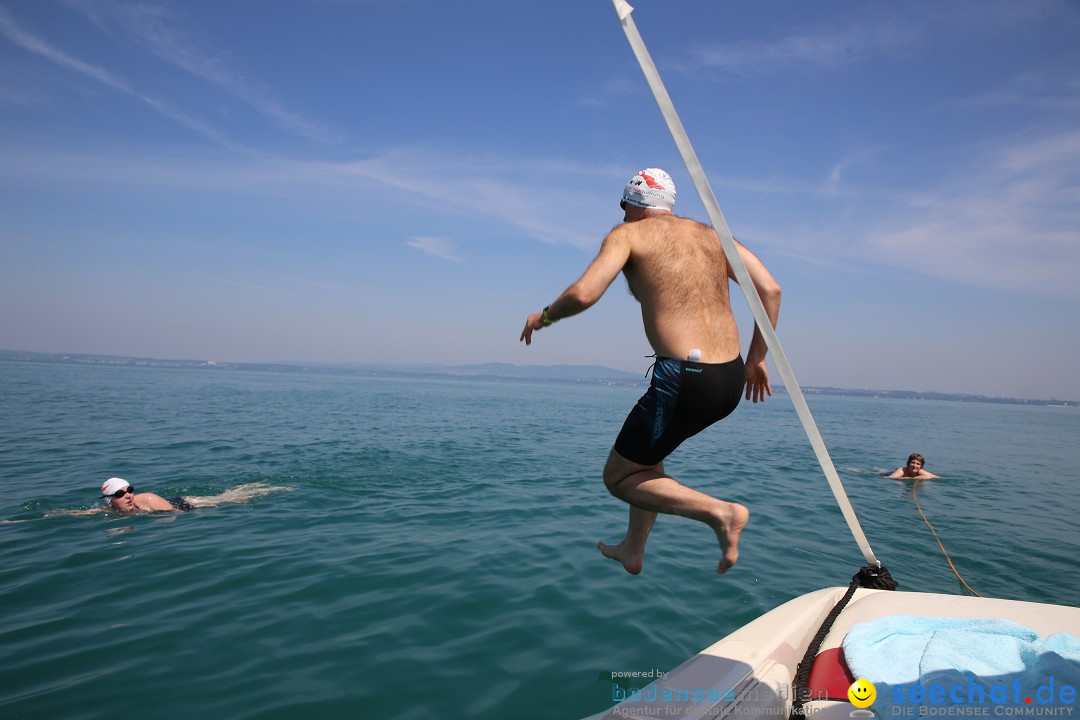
pixel 589 288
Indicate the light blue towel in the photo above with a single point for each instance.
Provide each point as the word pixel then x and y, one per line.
pixel 908 650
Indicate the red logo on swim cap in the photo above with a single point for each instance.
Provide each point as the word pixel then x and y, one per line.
pixel 651 182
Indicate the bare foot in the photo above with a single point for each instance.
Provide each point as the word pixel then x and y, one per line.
pixel 630 561
pixel 728 527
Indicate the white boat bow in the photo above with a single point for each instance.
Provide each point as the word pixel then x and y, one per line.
pixel 749 673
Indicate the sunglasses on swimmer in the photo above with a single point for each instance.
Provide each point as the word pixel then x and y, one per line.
pixel 121 493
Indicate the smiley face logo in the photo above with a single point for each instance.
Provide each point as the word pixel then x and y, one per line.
pixel 862 693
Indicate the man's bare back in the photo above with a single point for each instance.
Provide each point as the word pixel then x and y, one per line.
pixel 678 272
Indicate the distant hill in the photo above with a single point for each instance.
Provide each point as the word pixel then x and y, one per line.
pixel 916 395
pixel 552 372
pixel 493 371
pixel 507 371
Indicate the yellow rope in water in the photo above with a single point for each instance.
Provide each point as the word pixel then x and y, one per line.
pixel 914 494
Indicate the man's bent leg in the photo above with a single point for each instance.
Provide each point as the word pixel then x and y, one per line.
pixel 649 490
pixel 631 551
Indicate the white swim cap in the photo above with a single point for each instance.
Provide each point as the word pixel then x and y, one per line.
pixel 112 485
pixel 651 188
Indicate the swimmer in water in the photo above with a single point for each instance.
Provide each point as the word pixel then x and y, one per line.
pixel 120 496
pixel 914 469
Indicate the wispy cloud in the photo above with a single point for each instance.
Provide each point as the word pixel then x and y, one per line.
pixel 1032 90
pixel 36 45
pixel 825 48
pixel 438 247
pixel 506 189
pixel 542 199
pixel 1013 222
pixel 833 184
pixel 154 28
pixel 614 88
pixel 873 30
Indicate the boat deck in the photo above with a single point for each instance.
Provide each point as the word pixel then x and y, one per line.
pixel 749 672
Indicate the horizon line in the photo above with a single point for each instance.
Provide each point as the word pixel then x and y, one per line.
pixel 442 368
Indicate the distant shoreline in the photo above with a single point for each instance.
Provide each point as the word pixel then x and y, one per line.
pixel 504 372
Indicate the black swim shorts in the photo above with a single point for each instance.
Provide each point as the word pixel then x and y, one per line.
pixel 683 399
pixel 181 504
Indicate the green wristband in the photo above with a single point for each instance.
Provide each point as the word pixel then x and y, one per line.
pixel 545 318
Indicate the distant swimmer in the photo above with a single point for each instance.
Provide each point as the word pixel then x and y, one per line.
pixel 676 268
pixel 120 496
pixel 914 469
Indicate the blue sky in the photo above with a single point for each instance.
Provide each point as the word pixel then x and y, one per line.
pixel 261 180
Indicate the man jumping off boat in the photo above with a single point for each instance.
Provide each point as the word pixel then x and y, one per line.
pixel 676 268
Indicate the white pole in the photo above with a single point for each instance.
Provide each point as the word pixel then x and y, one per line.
pixel 682 141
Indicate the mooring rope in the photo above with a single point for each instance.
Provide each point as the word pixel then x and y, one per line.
pixel 867 577
pixel 914 494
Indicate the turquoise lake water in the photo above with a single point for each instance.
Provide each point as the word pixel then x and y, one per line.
pixel 434 555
